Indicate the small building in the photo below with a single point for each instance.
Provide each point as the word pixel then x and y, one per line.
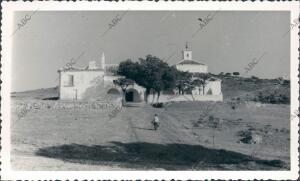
pixel 212 87
pixel 75 83
pixel 94 83
pixel 187 64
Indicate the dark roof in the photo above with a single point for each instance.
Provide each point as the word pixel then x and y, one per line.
pixel 194 62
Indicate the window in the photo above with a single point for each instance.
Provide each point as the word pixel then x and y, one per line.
pixel 69 81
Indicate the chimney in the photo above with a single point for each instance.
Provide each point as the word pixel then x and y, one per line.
pixel 92 65
pixel 103 61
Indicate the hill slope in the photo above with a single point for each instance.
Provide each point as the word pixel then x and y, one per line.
pixel 232 88
pixel 37 93
pixel 252 89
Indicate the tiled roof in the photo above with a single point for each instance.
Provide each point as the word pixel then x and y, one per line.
pixel 194 62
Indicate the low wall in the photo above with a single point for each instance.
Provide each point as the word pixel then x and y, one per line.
pixel 19 105
pixel 186 97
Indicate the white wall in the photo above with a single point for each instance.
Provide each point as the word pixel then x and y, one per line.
pixel 197 95
pixel 215 86
pixel 192 68
pixel 84 81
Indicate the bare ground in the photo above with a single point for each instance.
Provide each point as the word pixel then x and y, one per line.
pixel 86 139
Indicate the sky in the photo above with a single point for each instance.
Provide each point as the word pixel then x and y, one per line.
pixel 227 43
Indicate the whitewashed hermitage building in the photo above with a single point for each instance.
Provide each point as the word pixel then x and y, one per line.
pixel 188 64
pixel 96 83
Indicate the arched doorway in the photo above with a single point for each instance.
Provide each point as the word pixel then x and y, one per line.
pixel 132 95
pixel 113 94
pixel 114 91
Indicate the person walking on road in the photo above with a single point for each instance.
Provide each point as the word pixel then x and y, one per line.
pixel 155 122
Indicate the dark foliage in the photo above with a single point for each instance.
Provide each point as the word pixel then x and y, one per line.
pixel 158 105
pixel 152 73
pixel 272 98
pixel 236 73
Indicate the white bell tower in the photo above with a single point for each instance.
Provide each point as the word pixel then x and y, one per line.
pixel 187 53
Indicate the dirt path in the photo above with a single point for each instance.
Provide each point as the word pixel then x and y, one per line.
pixel 141 129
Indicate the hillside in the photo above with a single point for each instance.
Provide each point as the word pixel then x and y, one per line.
pixel 46 93
pixel 232 87
pixel 253 89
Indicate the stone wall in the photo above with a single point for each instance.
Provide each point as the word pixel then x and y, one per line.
pixel 22 107
pixel 46 104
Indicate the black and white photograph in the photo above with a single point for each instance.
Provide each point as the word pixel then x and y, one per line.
pixel 151 89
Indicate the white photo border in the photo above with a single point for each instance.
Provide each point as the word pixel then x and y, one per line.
pixel 8 8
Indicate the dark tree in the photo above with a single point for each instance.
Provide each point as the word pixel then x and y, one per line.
pixel 151 73
pixel 129 69
pixel 156 75
pixel 183 81
pixel 198 83
pixel 236 73
pixel 203 77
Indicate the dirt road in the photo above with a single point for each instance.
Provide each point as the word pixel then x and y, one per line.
pixel 76 139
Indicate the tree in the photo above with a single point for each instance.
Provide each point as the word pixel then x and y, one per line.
pixel 198 83
pixel 151 73
pixel 124 83
pixel 129 69
pixel 236 73
pixel 183 81
pixel 169 78
pixel 156 75
pixel 203 77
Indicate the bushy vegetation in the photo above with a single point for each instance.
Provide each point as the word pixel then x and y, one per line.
pixel 158 105
pixel 270 91
pixel 156 76
pixel 236 73
pixel 272 98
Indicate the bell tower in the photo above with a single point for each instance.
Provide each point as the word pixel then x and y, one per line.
pixel 187 53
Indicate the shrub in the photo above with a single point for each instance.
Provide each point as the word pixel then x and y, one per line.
pixel 158 105
pixel 254 77
pixel 236 73
pixel 272 98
